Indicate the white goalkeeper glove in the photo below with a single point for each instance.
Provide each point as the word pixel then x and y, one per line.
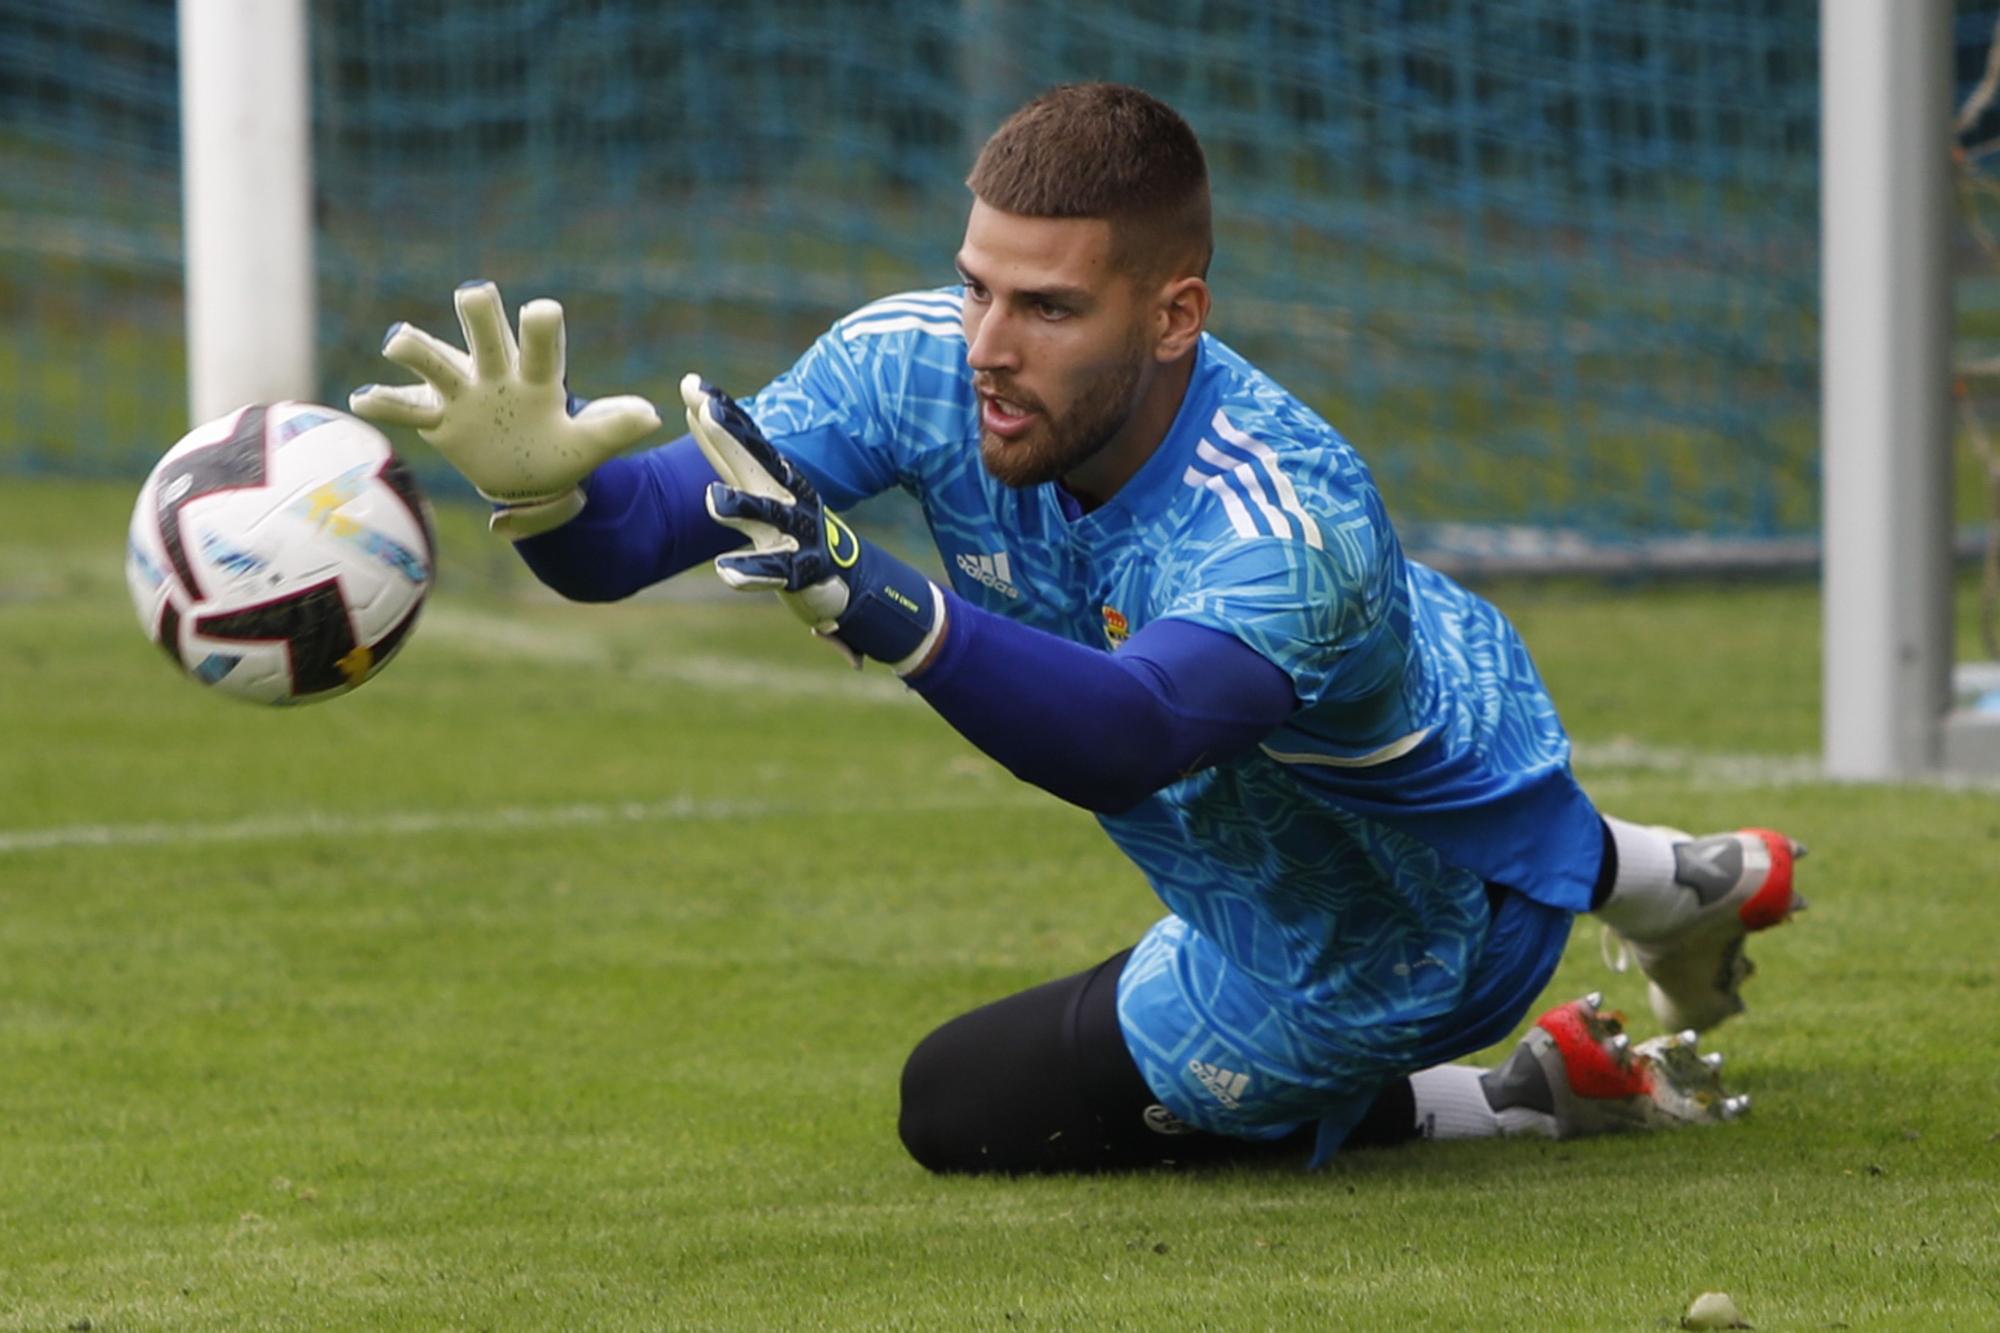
pixel 500 413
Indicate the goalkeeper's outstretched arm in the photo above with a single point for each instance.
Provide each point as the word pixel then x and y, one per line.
pixel 1100 730
pixel 643 520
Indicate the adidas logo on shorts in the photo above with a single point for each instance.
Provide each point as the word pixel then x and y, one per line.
pixel 1226 1085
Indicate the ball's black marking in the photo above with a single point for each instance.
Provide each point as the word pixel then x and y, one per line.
pixel 234 464
pixel 170 633
pixel 313 624
pixel 385 647
pixel 398 479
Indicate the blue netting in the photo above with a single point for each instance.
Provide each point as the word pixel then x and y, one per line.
pixel 1550 263
pixel 92 367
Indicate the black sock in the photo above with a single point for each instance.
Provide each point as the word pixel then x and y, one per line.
pixel 1390 1121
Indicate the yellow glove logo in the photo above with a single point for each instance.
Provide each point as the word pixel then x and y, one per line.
pixel 841 543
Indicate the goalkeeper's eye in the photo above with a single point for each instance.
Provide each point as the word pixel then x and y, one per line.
pixel 974 292
pixel 1052 310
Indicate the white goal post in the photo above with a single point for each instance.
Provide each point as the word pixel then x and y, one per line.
pixel 246 203
pixel 1886 87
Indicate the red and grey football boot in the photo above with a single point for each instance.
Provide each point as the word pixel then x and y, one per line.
pixel 1743 882
pixel 1578 1073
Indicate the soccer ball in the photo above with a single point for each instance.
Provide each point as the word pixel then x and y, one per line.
pixel 280 554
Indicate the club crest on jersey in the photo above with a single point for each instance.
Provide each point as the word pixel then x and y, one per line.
pixel 1117 628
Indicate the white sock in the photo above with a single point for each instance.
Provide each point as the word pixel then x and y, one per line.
pixel 1646 901
pixel 1451 1103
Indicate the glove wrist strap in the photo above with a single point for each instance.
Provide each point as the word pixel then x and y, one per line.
pixel 893 612
pixel 921 653
pixel 521 519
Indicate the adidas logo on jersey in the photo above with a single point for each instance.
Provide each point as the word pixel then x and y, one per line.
pixel 1225 1085
pixel 991 570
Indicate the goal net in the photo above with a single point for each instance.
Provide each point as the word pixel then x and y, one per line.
pixel 1551 266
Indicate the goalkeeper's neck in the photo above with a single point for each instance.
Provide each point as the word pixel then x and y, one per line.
pixel 1161 392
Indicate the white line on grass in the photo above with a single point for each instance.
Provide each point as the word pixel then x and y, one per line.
pixel 495 635
pixel 1732 770
pixel 1740 770
pixel 499 819
pixel 1606 760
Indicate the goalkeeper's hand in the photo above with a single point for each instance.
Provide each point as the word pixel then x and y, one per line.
pixel 500 412
pixel 852 592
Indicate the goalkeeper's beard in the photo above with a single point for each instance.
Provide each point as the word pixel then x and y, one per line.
pixel 1057 446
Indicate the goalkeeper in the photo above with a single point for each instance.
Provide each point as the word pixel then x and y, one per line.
pixel 1177 600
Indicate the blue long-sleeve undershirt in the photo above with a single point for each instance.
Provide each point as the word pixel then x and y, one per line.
pixel 644 520
pixel 1100 730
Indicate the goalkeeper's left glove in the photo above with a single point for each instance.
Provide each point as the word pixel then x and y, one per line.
pixel 852 592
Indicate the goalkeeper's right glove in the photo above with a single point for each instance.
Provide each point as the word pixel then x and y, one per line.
pixel 502 414
pixel 854 594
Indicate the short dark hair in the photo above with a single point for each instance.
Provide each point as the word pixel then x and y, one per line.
pixel 1105 150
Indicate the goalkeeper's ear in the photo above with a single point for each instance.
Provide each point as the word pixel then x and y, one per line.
pixel 1180 317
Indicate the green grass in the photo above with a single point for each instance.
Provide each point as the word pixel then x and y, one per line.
pixel 590 1013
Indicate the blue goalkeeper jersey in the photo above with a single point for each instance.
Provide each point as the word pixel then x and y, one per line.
pixel 1425 750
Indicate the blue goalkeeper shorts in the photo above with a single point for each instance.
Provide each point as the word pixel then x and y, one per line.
pixel 1266 1080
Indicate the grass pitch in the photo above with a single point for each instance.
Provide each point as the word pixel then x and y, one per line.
pixel 562 976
